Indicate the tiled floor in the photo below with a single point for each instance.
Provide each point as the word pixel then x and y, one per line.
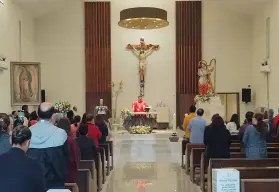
pixel 147 163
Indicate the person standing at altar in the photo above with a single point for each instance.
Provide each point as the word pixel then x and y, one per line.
pixel 187 120
pixel 139 105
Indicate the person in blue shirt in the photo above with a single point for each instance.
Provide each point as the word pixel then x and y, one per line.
pixel 196 127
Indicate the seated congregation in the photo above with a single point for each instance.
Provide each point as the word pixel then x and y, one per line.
pixel 45 150
pixel 251 148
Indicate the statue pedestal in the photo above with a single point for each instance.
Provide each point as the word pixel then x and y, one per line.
pixel 211 107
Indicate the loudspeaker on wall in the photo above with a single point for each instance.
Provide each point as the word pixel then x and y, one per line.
pixel 43 95
pixel 246 95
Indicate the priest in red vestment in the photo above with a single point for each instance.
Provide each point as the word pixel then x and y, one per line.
pixel 139 105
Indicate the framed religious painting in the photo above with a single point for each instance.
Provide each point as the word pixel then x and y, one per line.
pixel 25 83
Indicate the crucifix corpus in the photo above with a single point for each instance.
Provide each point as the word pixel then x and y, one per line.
pixel 142 51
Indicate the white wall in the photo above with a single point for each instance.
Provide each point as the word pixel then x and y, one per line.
pixel 259 53
pixel 227 35
pixel 60 48
pixel 160 81
pixel 59 40
pixel 10 15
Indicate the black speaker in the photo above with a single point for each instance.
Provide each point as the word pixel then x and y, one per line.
pixel 246 95
pixel 43 95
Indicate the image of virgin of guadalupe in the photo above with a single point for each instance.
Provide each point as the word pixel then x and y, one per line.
pixel 25 80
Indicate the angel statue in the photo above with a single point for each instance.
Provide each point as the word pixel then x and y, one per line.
pixel 142 54
pixel 205 84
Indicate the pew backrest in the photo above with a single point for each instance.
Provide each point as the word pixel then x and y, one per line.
pixel 83 180
pixel 88 164
pixel 259 185
pixel 238 163
pixel 73 187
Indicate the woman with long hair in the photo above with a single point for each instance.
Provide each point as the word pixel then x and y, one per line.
pixel 83 119
pixel 217 139
pixel 75 126
pixel 233 126
pixel 74 153
pixel 254 138
pixel 99 121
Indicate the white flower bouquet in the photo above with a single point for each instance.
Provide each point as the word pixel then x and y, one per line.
pixel 62 106
pixel 202 98
pixel 140 129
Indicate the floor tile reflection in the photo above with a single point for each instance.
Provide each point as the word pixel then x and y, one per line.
pixel 147 163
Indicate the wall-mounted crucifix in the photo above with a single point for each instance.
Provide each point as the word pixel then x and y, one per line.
pixel 142 51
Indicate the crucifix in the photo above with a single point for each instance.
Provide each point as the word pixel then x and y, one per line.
pixel 142 51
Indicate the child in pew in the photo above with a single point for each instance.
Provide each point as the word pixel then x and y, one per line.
pixel 87 147
pixel 254 138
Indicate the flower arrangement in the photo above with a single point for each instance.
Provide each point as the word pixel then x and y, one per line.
pixel 202 98
pixel 62 106
pixel 125 113
pixel 140 129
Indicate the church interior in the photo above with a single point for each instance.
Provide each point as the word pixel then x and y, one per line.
pixel 120 54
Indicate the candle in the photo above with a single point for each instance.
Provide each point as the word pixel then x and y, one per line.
pixel 174 123
pixel 101 101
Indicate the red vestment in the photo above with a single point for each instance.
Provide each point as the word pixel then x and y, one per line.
pixel 139 106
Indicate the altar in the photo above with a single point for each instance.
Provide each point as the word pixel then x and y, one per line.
pixel 140 122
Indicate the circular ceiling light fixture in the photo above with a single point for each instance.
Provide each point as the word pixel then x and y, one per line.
pixel 143 18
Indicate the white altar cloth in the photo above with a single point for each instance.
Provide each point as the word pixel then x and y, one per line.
pixel 143 113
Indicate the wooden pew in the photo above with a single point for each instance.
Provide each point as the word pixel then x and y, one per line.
pixel 259 185
pixel 111 153
pixel 189 147
pixel 183 147
pixel 241 163
pixel 235 147
pixel 73 187
pixel 195 160
pixel 83 180
pixel 107 159
pixel 90 164
pixel 101 151
pixel 204 165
